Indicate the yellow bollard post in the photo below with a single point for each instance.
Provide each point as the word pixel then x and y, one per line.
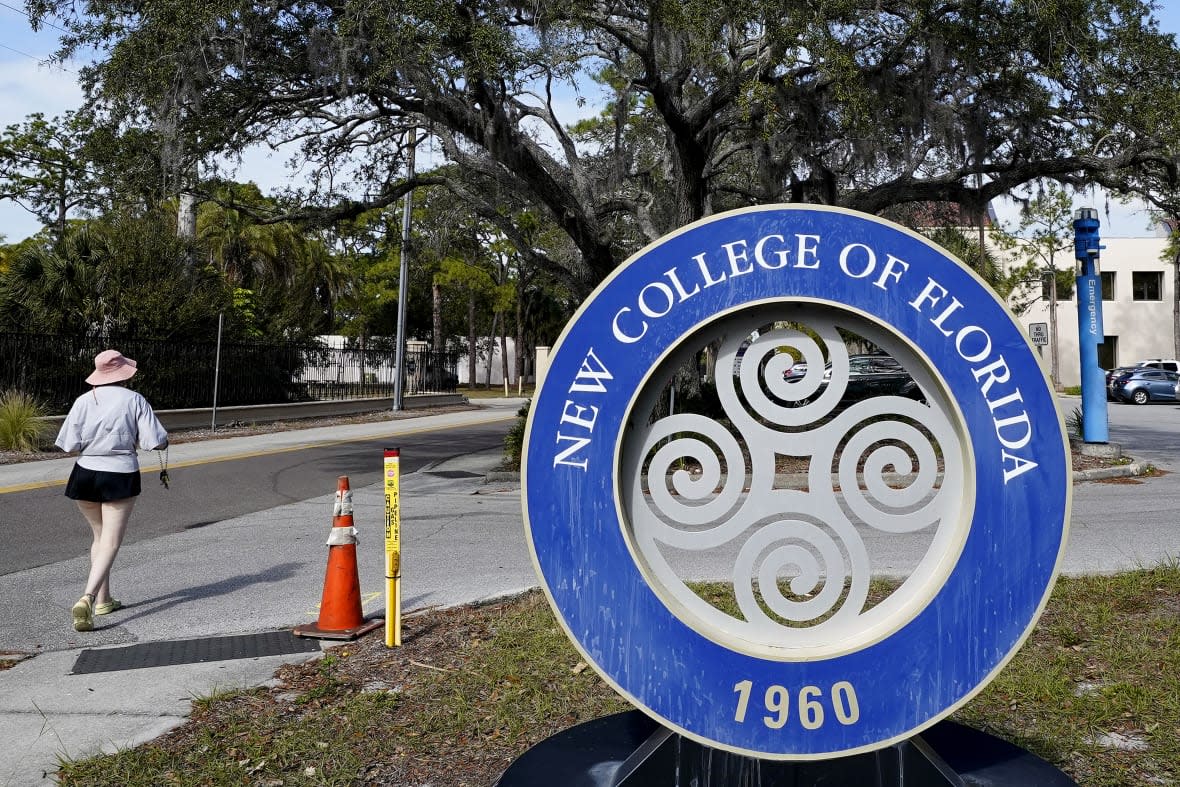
pixel 393 549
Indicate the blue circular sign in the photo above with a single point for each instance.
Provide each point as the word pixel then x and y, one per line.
pixel 964 461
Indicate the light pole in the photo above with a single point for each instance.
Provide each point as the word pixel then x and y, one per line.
pixel 1054 366
pixel 1089 286
pixel 402 287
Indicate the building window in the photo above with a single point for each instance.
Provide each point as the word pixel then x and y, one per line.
pixel 1108 285
pixel 1147 286
pixel 1108 352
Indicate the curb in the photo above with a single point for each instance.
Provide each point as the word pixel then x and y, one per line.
pixel 202 417
pixel 1122 471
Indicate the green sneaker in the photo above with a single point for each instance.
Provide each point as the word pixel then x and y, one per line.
pixel 107 607
pixel 83 613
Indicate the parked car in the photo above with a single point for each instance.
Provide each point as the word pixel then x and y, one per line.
pixel 1146 384
pixel 1168 364
pixel 800 367
pixel 1111 376
pixel 868 375
pixel 797 370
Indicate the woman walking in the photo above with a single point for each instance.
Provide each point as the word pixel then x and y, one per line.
pixel 105 425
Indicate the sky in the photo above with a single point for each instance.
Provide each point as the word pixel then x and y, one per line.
pixel 28 85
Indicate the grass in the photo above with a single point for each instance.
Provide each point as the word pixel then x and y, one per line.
pixel 1103 661
pixel 21 425
pixel 474 687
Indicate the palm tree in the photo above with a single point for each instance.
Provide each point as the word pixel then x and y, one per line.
pixel 324 276
pixel 117 274
pixel 57 288
pixel 979 259
pixel 289 276
pixel 248 253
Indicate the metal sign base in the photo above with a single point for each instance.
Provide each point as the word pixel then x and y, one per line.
pixel 631 750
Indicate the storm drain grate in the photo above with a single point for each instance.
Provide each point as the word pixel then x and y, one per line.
pixel 455 474
pixel 192 651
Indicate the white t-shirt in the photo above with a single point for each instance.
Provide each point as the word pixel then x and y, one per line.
pixel 106 424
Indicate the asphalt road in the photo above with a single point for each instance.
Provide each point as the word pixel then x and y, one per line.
pixel 41 526
pixel 1147 432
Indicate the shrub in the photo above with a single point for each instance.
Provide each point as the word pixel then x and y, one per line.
pixel 21 424
pixel 514 440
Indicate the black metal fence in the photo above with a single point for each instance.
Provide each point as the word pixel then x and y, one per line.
pixel 53 368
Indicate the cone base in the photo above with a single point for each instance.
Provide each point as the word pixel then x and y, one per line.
pixel 313 630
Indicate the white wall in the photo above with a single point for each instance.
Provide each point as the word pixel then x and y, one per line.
pixel 352 374
pixel 1143 328
pixel 482 362
pixel 348 372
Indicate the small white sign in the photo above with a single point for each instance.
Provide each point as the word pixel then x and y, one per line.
pixel 1039 333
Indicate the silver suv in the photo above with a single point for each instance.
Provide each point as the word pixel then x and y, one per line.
pixel 1167 364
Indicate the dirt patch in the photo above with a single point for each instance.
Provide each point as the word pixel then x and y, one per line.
pixel 796 465
pixel 10 658
pixel 393 709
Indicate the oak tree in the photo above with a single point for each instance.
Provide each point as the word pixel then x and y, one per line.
pixel 708 104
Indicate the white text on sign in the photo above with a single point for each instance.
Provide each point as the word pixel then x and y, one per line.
pixel 772 256
pixel 811 712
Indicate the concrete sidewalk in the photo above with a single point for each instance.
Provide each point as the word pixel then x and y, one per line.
pixel 462 540
pixel 258 573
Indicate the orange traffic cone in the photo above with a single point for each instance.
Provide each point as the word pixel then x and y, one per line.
pixel 341 616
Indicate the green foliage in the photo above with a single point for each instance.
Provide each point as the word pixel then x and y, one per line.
pixel 1073 423
pixel 329 684
pixel 514 440
pixel 21 424
pixel 1040 246
pixel 688 393
pixel 52 286
pixel 286 273
pixel 130 273
pixel 8 253
pixel 121 274
pixel 44 170
pixel 369 306
pixel 981 260
pixel 245 314
pixel 247 252
pixel 712 105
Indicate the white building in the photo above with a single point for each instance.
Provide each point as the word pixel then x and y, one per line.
pixel 489 366
pixel 1138 293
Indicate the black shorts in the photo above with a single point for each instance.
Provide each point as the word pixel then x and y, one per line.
pixel 97 486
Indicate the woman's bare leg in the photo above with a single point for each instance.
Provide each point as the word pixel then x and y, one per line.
pixel 108 524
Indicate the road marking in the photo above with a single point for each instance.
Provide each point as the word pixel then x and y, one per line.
pixel 31 485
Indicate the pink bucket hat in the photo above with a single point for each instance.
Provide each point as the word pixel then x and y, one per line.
pixel 110 366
